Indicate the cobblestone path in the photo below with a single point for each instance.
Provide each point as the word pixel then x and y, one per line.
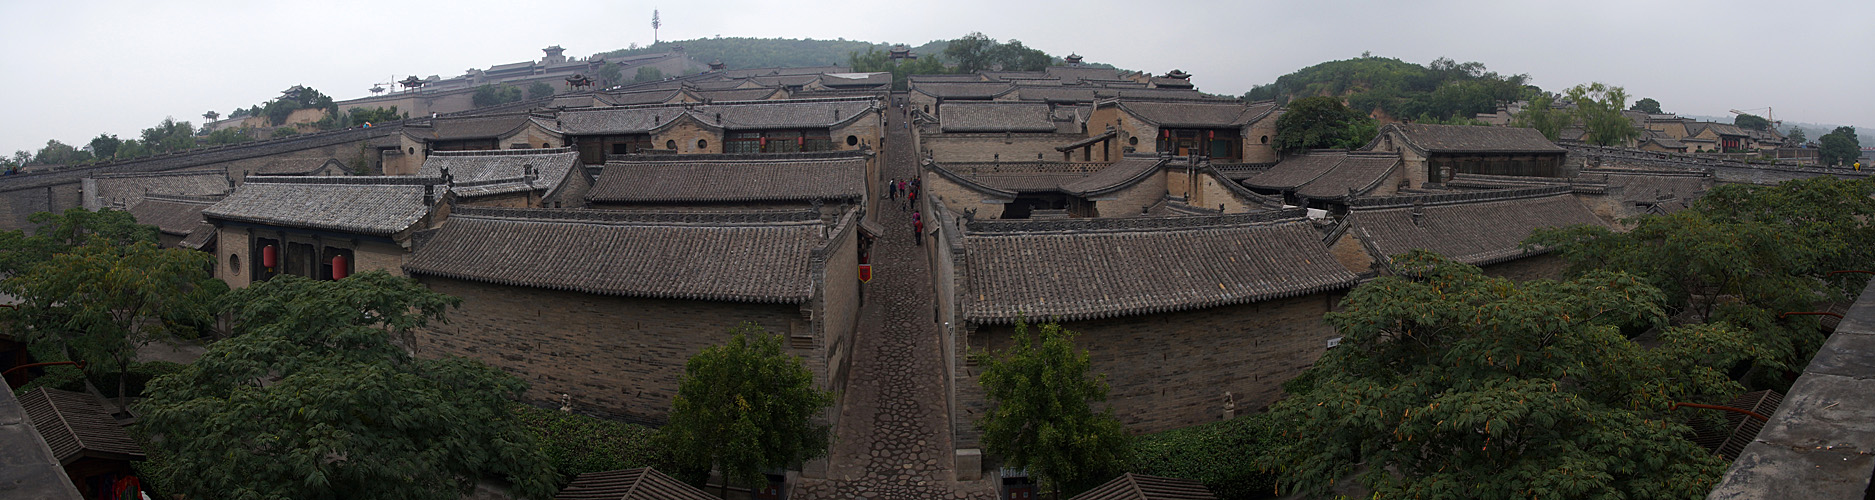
pixel 893 440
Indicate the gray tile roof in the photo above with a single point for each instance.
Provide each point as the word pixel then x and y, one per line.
pixel 482 173
pixel 302 166
pixel 1671 191
pixel 730 178
pixel 995 117
pixel 1221 114
pixel 1007 179
pixel 755 256
pixel 1056 94
pixel 630 484
pixel 199 238
pixel 178 215
pixel 1077 269
pixel 469 127
pixel 75 425
pixel 27 466
pixel 379 206
pixel 1358 174
pixel 737 94
pixel 750 115
pixel 1471 139
pixel 125 190
pixel 962 90
pixel 1132 486
pixel 1476 228
pixel 873 79
pixel 1294 171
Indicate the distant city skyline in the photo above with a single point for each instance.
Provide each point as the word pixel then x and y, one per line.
pixel 118 67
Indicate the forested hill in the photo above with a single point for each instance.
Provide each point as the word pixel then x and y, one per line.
pixel 774 52
pixel 1435 92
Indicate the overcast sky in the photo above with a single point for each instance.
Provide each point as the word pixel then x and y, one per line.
pixel 78 68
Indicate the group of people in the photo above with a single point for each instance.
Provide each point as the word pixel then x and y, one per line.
pixel 894 188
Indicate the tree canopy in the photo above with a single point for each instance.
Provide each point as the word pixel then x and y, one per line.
pixel 1044 418
pixel 1796 136
pixel 491 94
pixel 745 407
pixel 314 398
pixel 1647 105
pixel 1750 121
pixel 1442 89
pixel 1839 147
pixel 1452 384
pixel 1322 122
pixel 874 60
pixel 1598 109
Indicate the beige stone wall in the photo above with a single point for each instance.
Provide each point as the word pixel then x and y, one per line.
pixel 686 133
pixel 374 256
pixel 1004 147
pixel 868 130
pixel 840 308
pixel 1348 251
pixel 1413 165
pixel 959 199
pixel 1259 140
pixel 1171 370
pixel 1138 134
pixel 234 248
pixel 1540 267
pixel 1132 199
pixel 533 136
pixel 1212 192
pixel 619 357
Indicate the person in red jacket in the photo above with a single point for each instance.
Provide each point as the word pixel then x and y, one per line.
pixel 917 228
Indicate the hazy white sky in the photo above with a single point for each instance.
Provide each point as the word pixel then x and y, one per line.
pixel 77 68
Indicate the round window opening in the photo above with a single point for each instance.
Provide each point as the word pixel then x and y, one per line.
pixel 1132 141
pixel 670 144
pixel 234 263
pixel 1266 139
pixel 703 143
pixel 852 140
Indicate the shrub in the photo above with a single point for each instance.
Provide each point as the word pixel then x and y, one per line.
pixel 577 444
pixel 1222 455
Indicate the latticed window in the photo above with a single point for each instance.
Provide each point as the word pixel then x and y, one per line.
pixel 743 142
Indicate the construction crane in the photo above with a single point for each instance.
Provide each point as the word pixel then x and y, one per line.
pixel 1768 115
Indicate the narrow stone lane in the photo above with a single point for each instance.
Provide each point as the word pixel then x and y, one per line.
pixel 893 440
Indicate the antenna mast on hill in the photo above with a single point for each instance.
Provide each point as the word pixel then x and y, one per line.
pixel 655 24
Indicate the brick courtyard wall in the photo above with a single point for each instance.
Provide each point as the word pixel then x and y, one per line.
pixel 1129 201
pixel 1169 371
pixel 974 147
pixel 958 198
pixel 619 357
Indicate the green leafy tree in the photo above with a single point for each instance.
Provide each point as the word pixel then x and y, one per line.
pixel 538 90
pixel 1013 56
pixel 1647 105
pixel 101 302
pixel 1598 109
pixel 1218 454
pixel 22 157
pixel 1443 88
pixel 313 398
pixel 490 95
pixel 875 61
pixel 1452 384
pixel 745 407
pixel 610 75
pixel 1750 121
pixel 169 136
pixel 376 115
pixel 1741 256
pixel 284 132
pixel 297 98
pixel 133 148
pixel 104 146
pixel 1321 122
pixel 972 53
pixel 63 232
pixel 1796 135
pixel 1839 147
pixel 59 153
pixel 227 136
pixel 1043 419
pixel 211 115
pixel 648 74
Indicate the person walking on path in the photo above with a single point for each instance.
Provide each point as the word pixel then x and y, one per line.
pixel 891 189
pixel 917 229
pixel 911 197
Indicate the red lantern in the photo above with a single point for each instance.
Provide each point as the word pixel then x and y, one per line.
pixel 340 267
pixel 764 143
pixel 269 257
pixel 1212 134
pixel 800 141
pixel 1166 133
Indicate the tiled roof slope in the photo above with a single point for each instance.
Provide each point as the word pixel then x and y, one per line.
pixel 1198 114
pixel 471 127
pixel 757 256
pixel 1294 171
pixel 1132 486
pixel 1077 269
pixel 380 206
pixel 1474 228
pixel 1359 174
pixel 75 426
pixel 493 169
pixel 721 178
pixel 995 117
pixel 178 215
pixel 783 113
pixel 630 484
pixel 1472 139
pixel 962 90
pixel 1126 172
pixel 28 469
pixel 1023 177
